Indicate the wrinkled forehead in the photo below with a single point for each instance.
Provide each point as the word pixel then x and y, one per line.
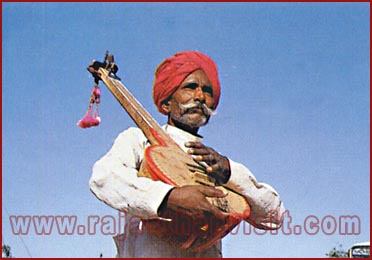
pixel 198 76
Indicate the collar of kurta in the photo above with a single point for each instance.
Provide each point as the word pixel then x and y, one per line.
pixel 180 136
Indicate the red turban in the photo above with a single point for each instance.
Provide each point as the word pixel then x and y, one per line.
pixel 174 70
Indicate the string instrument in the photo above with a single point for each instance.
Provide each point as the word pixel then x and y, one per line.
pixel 165 161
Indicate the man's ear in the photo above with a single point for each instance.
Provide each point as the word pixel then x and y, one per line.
pixel 166 106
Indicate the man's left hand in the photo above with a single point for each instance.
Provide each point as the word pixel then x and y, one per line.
pixel 218 165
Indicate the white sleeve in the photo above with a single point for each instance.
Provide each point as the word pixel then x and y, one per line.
pixel 266 207
pixel 115 182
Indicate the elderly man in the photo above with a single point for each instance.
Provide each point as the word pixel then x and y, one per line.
pixel 187 90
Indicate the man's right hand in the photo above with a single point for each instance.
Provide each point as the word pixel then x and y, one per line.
pixel 191 200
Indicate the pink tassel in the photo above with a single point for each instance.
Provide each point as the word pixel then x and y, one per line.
pixel 88 120
pixel 96 116
pixel 97 94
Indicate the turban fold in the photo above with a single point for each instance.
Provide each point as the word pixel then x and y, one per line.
pixel 173 71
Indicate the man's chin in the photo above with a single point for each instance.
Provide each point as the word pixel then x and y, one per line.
pixel 194 120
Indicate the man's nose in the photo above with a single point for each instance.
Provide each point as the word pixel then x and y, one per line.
pixel 199 94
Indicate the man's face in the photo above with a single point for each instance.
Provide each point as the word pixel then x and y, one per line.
pixel 192 102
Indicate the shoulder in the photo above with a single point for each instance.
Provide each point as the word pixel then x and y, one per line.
pixel 132 131
pixel 133 135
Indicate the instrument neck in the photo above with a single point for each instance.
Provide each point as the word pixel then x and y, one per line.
pixel 151 129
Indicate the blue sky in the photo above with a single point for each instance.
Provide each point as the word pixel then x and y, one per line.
pixel 295 109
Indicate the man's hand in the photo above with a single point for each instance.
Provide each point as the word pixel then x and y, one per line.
pixel 219 166
pixel 191 200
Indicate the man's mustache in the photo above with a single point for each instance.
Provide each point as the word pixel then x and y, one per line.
pixel 196 104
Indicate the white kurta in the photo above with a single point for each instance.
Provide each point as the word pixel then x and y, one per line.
pixel 114 181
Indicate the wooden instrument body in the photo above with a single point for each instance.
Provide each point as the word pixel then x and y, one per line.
pixel 170 164
pixel 165 161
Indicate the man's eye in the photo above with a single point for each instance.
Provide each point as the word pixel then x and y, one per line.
pixel 208 90
pixel 191 86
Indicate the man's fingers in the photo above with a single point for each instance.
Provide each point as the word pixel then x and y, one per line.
pixel 212 192
pixel 194 145
pixel 214 168
pixel 209 159
pixel 198 151
pixel 209 208
pixel 200 204
pixel 219 214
